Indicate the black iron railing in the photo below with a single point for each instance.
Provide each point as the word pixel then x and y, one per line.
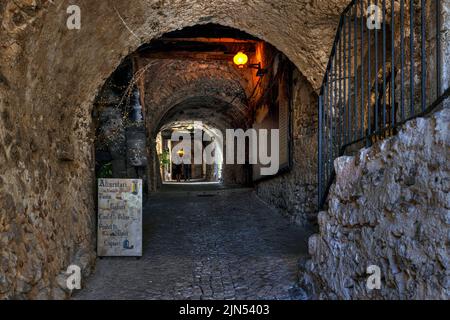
pixel 384 69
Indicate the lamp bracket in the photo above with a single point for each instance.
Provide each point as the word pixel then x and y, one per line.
pixel 257 66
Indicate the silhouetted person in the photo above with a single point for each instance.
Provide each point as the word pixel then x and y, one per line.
pixel 177 172
pixel 187 172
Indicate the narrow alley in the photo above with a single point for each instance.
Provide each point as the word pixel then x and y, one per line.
pixel 209 243
pixel 224 150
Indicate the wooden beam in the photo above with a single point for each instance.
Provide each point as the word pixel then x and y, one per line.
pixel 187 55
pixel 210 40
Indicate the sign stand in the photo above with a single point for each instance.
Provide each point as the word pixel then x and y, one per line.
pixel 119 218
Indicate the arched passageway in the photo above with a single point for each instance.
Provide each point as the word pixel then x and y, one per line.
pixel 61 79
pixel 187 84
pixel 56 83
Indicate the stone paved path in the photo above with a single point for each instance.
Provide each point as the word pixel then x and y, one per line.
pixel 205 244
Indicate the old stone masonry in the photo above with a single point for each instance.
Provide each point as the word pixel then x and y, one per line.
pixel 389 207
pixel 224 150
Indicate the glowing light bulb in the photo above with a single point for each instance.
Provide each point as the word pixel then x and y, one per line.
pixel 240 59
pixel 181 153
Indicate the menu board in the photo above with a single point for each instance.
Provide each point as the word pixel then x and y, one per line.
pixel 119 218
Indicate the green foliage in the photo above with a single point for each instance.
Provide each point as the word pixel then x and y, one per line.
pixel 105 171
pixel 164 158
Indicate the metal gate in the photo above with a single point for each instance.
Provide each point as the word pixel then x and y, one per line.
pixel 384 69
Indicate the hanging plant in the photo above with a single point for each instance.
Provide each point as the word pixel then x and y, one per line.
pixel 164 158
pixel 105 171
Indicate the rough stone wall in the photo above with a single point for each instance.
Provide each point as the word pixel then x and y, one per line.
pixel 46 176
pixel 390 207
pixel 445 51
pixel 46 211
pixel 295 193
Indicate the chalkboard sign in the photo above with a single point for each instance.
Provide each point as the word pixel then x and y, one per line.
pixel 119 218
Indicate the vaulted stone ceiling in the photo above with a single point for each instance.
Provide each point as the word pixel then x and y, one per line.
pixel 113 28
pixel 195 90
pixel 212 111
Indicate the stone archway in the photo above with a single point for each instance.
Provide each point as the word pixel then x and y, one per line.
pixel 211 92
pixel 49 77
pixel 215 114
pixel 47 158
